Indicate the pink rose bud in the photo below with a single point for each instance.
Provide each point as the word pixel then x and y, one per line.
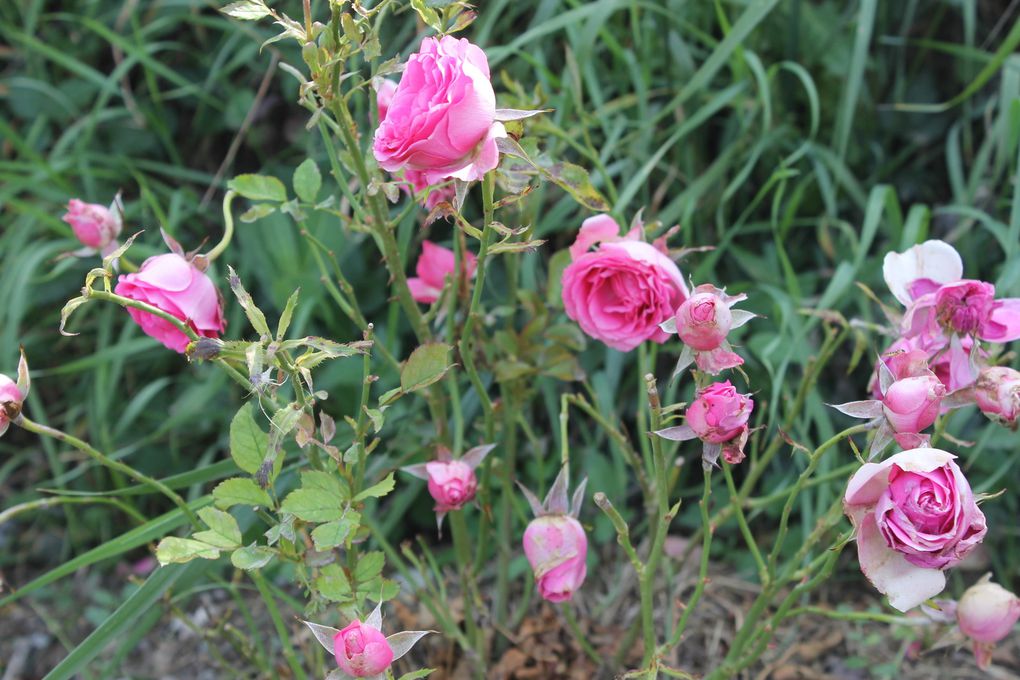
pixel 434 265
pixel 362 651
pixel 556 548
pixel 915 515
pixel 10 402
pixel 442 117
pixel 171 283
pixel 912 402
pixel 96 226
pixel 622 291
pixel 987 612
pixel 719 413
pixel 703 321
pixel 451 484
pixel 997 394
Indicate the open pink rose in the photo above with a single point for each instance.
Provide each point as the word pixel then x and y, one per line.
pixel 622 291
pixel 434 265
pixel 451 484
pixel 556 548
pixel 997 394
pixel 10 402
pixel 385 89
pixel 719 417
pixel 95 226
pixel 361 650
pixel 441 120
pixel 915 515
pixel 174 285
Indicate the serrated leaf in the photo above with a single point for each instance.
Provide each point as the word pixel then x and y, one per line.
pixel 240 491
pixel 179 550
pixel 246 10
pixel 333 584
pixel 312 505
pixel 251 557
pixel 259 187
pixel 332 534
pixel 416 675
pixel 307 180
pixel 369 566
pixel 427 14
pixel 377 490
pixel 254 314
pixel 257 212
pixel 331 484
pixel 247 440
pixel 287 315
pixel 426 365
pixel 223 530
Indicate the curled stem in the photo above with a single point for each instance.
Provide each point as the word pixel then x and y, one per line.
pixel 228 227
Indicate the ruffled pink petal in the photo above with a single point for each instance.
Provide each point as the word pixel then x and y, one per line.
pixel 1003 324
pixel 906 585
pixel 597 229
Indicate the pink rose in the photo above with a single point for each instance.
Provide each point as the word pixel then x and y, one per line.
pixel 96 226
pixel 915 515
pixel 962 307
pixel 986 614
pixel 997 394
pixel 361 650
pixel 556 548
pixel 434 265
pixel 10 402
pixel 451 484
pixel 622 291
pixel 416 178
pixel 442 118
pixel 174 285
pixel 938 362
pixel 912 402
pixel 703 320
pixel 718 416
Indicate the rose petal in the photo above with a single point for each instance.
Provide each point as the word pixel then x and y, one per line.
pixel 905 584
pixel 934 260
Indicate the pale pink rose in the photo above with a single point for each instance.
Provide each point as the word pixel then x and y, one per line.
pixel 622 291
pixel 96 226
pixel 997 394
pixel 986 614
pixel 556 548
pixel 915 515
pixel 10 402
pixel 361 650
pixel 442 118
pixel 719 417
pixel 703 320
pixel 174 285
pixel 416 178
pixel 434 265
pixel 920 269
pixel 451 484
pixel 912 402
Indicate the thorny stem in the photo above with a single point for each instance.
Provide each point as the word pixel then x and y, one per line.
pixel 108 462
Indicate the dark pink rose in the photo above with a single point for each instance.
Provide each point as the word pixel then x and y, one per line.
pixel 622 291
pixel 174 285
pixel 719 413
pixel 915 515
pixel 441 120
pixel 451 483
pixel 362 650
pixel 10 402
pixel 434 265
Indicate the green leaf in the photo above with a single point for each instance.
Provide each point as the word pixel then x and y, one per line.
pixel 575 181
pixel 428 15
pixel 223 530
pixel 332 534
pixel 178 550
pixel 416 675
pixel 426 365
pixel 251 557
pixel 246 10
pixel 307 181
pixel 240 491
pixel 324 481
pixel 377 490
pixel 287 315
pixel 313 505
pixel 247 440
pixel 259 187
pixel 257 212
pixel 254 314
pixel 333 584
pixel 369 566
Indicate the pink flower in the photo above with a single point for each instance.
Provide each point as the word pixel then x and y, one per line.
pixel 174 285
pixel 96 226
pixel 361 650
pixel 915 515
pixel 986 614
pixel 703 321
pixel 385 89
pixel 938 362
pixel 556 548
pixel 442 118
pixel 10 402
pixel 555 543
pixel 997 394
pixel 434 265
pixel 622 291
pixel 718 416
pixel 451 484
